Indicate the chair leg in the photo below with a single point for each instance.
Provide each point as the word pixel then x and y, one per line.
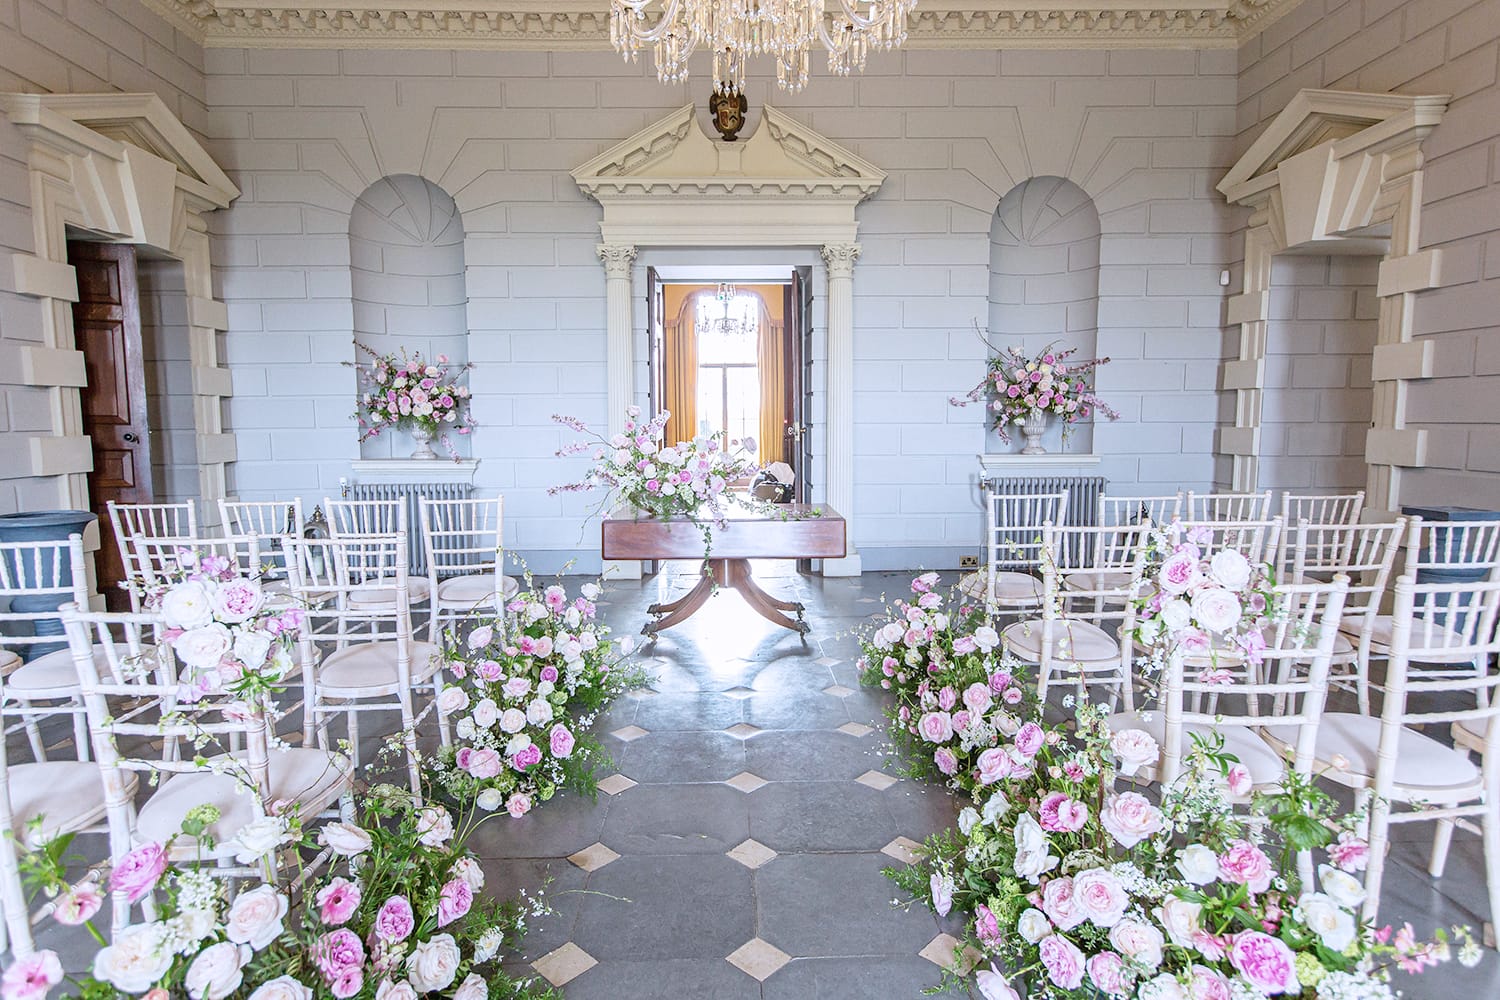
pixel 81 738
pixel 445 736
pixel 34 737
pixel 1490 830
pixel 1442 838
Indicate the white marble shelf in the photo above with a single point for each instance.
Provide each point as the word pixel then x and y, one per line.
pixel 413 470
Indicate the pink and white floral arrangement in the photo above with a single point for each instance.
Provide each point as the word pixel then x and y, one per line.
pixel 406 391
pixel 1018 385
pixel 1074 888
pixel 528 689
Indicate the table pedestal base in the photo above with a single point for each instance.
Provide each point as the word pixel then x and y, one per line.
pixel 733 573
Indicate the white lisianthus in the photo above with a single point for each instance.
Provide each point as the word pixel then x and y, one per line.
pixel 345 839
pixel 1343 888
pixel 217 971
pixel 968 818
pixel 1032 857
pixel 204 646
pixel 490 799
pixel 1033 925
pixel 516 744
pixel 260 837
pixel 1333 924
pixel 187 606
pixel 590 591
pixel 255 917
pixel 1231 569
pixel 544 688
pixel 1198 864
pixel 433 963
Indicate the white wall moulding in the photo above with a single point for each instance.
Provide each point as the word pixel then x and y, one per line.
pixel 584 24
pixel 1248 374
pixel 50 279
pixel 1017 464
pixel 1337 172
pixel 211 314
pixel 59 456
pixel 413 470
pixel 45 366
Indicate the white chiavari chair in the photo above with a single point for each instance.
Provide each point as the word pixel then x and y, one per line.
pixel 1009 580
pixel 1118 511
pixel 368 670
pixel 268 521
pixel 1228 507
pixel 465 546
pixel 1335 509
pixel 1077 638
pixel 372 518
pixel 180 736
pixel 134 522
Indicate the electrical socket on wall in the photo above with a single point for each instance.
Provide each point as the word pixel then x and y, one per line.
pixel 968 562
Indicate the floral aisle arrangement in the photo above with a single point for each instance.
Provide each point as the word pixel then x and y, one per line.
pixel 957 700
pixel 1075 889
pixel 528 689
pixel 398 914
pixel 410 393
pixel 1018 386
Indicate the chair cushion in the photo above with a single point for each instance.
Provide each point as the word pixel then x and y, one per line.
pixel 417 591
pixel 67 794
pixel 1383 626
pixel 1422 763
pixel 373 665
pixel 1010 588
pixel 305 776
pixel 1097 579
pixel 470 590
pixel 1071 640
pixel 8 662
pixel 1265 765
pixel 54 675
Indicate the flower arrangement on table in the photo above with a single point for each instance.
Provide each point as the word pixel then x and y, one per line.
pixel 1077 890
pixel 410 393
pixel 1019 386
pixel 528 689
pixel 956 697
pixel 398 914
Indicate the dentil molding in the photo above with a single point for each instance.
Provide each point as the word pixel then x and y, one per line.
pixel 584 24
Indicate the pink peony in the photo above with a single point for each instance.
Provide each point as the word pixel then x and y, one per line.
pixel 1130 818
pixel 936 727
pixel 137 873
pixel 482 763
pixel 454 901
pixel 337 901
pixel 1063 960
pixel 561 741
pixel 1207 984
pixel 1265 962
pixel 526 758
pixel 993 765
pixel 518 805
pixel 1100 896
pixel 31 978
pixel 395 921
pixel 1107 972
pixel 1060 814
pixel 340 951
pixel 1245 864
pixel 1029 739
pixel 1060 906
pixel 1181 572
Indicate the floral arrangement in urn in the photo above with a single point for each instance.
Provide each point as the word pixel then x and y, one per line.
pixel 407 392
pixel 1024 391
pixel 1076 889
pixel 528 689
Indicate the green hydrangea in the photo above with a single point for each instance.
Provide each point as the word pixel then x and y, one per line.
pixel 1310 971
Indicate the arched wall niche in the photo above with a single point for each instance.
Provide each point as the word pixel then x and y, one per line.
pixel 406 256
pixel 1044 283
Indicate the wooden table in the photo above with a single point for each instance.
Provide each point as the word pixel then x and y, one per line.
pixel 747 535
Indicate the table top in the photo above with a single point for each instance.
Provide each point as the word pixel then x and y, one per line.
pixel 748 534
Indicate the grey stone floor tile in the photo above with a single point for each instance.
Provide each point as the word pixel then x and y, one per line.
pixel 865 923
pixel 811 711
pixel 556 881
pixel 920 809
pixel 557 828
pixel 677 758
pixel 809 755
pixel 645 908
pixel 790 816
pixel 656 980
pixel 698 712
pixel 892 978
pixel 678 819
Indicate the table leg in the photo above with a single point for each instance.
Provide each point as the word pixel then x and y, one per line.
pixel 681 609
pixel 737 575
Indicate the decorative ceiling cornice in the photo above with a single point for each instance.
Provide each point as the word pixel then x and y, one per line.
pixel 584 24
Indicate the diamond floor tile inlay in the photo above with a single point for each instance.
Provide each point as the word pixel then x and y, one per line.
pixel 940 951
pixel 628 733
pixel 615 784
pixel 903 849
pixel 752 854
pixel 826 661
pixel 856 729
pixel 740 692
pixel 594 857
pixel 742 730
pixel 747 782
pixel 874 779
pixel 758 959
pixel 838 691
pixel 564 965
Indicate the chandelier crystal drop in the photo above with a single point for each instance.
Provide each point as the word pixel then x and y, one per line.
pixel 735 30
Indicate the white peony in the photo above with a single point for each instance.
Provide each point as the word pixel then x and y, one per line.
pixel 453 700
pixel 490 799
pixel 1136 749
pixel 434 826
pixel 255 917
pixel 1033 925
pixel 1333 924
pixel 282 988
pixel 433 964
pixel 204 646
pixel 472 988
pixel 345 839
pixel 258 838
pixel 480 637
pixel 488 945
pixel 187 606
pixel 1343 888
pixel 1032 857
pixel 251 647
pixel 1176 615
pixel 968 818
pixel 388 990
pixel 217 971
pixel 516 744
pixel 1230 569
pixel 1198 864
pixel 1216 609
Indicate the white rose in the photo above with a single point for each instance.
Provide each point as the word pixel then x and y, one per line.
pixel 539 712
pixel 1343 888
pixel 485 713
pixel 433 964
pixel 255 917
pixel 472 988
pixel 134 960
pixel 986 638
pixel 590 591
pixel 968 818
pixel 573 618
pixel 1177 614
pixel 488 946
pixel 453 700
pixel 258 838
pixel 1032 858
pixel 1033 925
pixel 251 647
pixel 1198 864
pixel 513 720
pixel 345 839
pixel 1231 569
pixel 940 622
pixel 434 828
pixel 464 728
pixel 570 649
pixel 193 925
pixel 516 744
pixel 187 606
pixel 388 990
pixel 889 635
pixel 1216 609
pixel 468 869
pixel 1138 941
pixel 480 637
pixel 1181 918
pixel 282 988
pixel 203 646
pixel 217 971
pixel 490 799
pixel 995 808
pixel 544 688
pixel 992 985
pixel 588 640
pixel 1136 749
pixel 1333 924
pixel 1163 987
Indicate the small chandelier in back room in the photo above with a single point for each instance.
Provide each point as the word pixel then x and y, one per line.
pixel 735 30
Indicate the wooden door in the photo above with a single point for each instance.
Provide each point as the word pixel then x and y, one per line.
pixel 107 328
pixel 799 356
pixel 655 340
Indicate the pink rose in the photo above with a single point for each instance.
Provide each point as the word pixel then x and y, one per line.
pixel 1000 680
pixel 526 758
pixel 947 698
pixel 1059 905
pixel 1107 972
pixel 1012 696
pixel 964 645
pixel 339 951
pixel 1063 960
pixel 454 901
pixel 337 901
pixel 945 760
pixel 1265 962
pixel 1130 818
pixel 1029 739
pixel 463 757
pixel 961 720
pixel 978 699
pixel 1100 896
pixel 562 741
pixel 1207 984
pixel 1245 864
pixel 137 873
pixel 347 983
pixel 483 763
pixel 518 805
pixel 1239 780
pixel 986 927
pixel 1060 814
pixel 993 765
pixel 32 977
pixel 1350 854
pixel 489 670
pixel 549 674
pixel 1181 572
pixel 395 921
pixel 936 727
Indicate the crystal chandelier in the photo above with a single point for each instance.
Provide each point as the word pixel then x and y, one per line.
pixel 727 326
pixel 735 30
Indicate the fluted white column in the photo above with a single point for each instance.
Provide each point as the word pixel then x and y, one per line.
pixel 839 258
pixel 618 260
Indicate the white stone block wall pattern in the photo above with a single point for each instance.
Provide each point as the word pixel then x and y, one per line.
pixel 1420 47
pixel 169 380
pixel 52 46
pixel 304 133
pixel 1316 407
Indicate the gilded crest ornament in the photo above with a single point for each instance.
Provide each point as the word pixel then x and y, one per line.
pixel 728 110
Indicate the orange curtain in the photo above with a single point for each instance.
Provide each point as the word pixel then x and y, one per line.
pixel 770 365
pixel 680 350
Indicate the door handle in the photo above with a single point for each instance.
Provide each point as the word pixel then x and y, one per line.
pixel 130 438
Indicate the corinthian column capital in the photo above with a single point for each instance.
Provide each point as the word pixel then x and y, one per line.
pixel 617 258
pixel 840 258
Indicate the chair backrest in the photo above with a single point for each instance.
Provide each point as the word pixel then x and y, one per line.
pixel 1013 528
pixel 134 522
pixel 1116 511
pixel 463 537
pixel 32 576
pixel 265 518
pixel 365 517
pixel 1365 553
pixel 1255 540
pixel 1289 687
pixel 1444 545
pixel 164 559
pixel 352 583
pixel 1227 507
pixel 1322 508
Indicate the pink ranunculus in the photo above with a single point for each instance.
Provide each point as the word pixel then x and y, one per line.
pixel 1245 864
pixel 338 951
pixel 483 763
pixel 337 901
pixel 1206 984
pixel 986 927
pixel 454 901
pixel 395 921
pixel 32 977
pixel 528 757
pixel 137 873
pixel 1130 818
pixel 1029 739
pixel 1107 972
pixel 1063 961
pixel 945 760
pixel 518 805
pixel 936 727
pixel 1265 962
pixel 561 741
pixel 1059 905
pixel 993 765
